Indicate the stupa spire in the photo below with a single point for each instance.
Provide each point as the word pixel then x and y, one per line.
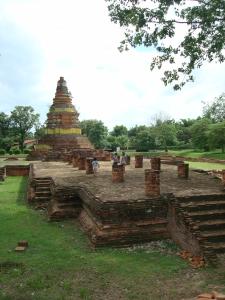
pixel 62 126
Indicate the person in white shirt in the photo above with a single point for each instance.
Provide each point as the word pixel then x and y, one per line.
pixel 95 165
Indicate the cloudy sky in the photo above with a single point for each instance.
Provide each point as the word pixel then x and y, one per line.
pixel 41 40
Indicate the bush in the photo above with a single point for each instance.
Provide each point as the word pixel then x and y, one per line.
pixel 2 152
pixel 26 151
pixel 16 151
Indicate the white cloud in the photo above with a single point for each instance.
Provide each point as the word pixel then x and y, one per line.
pixel 76 39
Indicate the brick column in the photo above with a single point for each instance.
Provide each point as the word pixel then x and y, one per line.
pixel 138 161
pixel 82 163
pixel 183 170
pixel 118 173
pixel 155 163
pixel 89 168
pixel 152 183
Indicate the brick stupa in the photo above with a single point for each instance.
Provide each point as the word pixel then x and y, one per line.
pixel 62 132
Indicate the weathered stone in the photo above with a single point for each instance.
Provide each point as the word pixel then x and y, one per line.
pixel 23 243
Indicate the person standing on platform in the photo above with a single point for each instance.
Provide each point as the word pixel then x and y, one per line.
pixel 95 166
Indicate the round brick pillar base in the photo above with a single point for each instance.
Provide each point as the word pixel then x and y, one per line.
pixel 183 170
pixel 156 163
pixel 152 183
pixel 82 163
pixel 118 173
pixel 89 167
pixel 138 161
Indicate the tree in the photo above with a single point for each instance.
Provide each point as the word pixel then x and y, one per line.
pixel 23 120
pixel 122 141
pixel 216 110
pixel 184 130
pixel 216 135
pixel 96 131
pixel 199 131
pixel 165 132
pixel 119 130
pixel 144 140
pixel 6 136
pixel 156 22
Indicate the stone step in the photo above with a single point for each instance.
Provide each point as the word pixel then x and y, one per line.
pixel 212 224
pixel 43 193
pixel 41 199
pixel 43 179
pixel 214 236
pixel 216 247
pixel 202 203
pixel 201 198
pixel 211 214
pixel 43 184
pixel 43 188
pixel 206 206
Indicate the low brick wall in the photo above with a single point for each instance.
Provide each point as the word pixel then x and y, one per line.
pixel 16 170
pixel 180 230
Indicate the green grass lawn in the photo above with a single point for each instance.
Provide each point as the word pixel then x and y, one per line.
pixel 199 154
pixel 206 166
pixel 185 153
pixel 60 264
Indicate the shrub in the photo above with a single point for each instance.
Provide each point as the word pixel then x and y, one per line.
pixel 10 152
pixel 26 151
pixel 16 151
pixel 2 152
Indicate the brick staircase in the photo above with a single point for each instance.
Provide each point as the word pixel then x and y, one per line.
pixel 205 216
pixel 42 191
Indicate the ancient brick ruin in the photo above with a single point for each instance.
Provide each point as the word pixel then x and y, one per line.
pixel 121 207
pixel 62 133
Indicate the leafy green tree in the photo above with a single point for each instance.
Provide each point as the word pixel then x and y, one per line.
pixel 119 130
pixel 23 120
pixel 216 135
pixel 132 132
pixel 111 142
pixel 96 131
pixel 144 140
pixel 200 131
pixel 39 132
pixel 122 141
pixel 6 135
pixel 184 130
pixel 216 110
pixel 165 133
pixel 157 23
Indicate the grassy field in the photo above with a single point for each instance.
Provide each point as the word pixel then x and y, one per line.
pixel 60 264
pixel 216 154
pixel 205 166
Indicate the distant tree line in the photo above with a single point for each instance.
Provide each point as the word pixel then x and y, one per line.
pixel 204 133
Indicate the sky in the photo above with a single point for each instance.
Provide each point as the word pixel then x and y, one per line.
pixel 45 39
